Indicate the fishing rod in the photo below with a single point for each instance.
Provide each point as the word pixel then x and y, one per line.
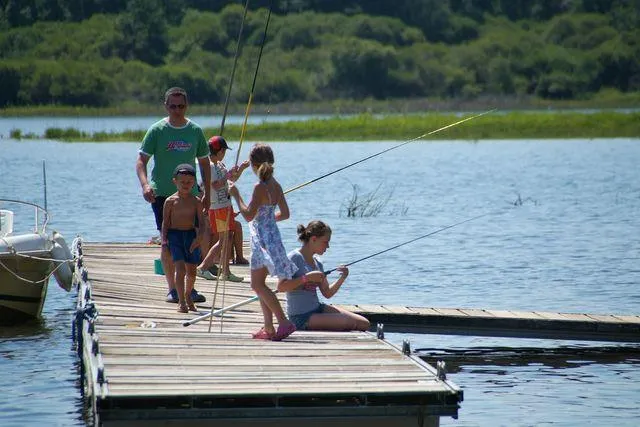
pixel 224 117
pixel 253 85
pixel 233 69
pixel 326 273
pixel 410 241
pixel 389 149
pixel 225 242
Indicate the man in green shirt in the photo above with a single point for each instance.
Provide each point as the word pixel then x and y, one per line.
pixel 172 141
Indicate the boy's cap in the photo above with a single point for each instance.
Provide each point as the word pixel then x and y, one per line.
pixel 217 143
pixel 184 169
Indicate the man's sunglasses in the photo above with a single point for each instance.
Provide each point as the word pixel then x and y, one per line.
pixel 178 106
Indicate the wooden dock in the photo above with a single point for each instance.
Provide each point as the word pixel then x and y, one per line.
pixel 140 366
pixel 503 323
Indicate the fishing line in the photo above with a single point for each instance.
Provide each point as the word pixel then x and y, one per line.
pixel 253 85
pixel 326 273
pixel 226 242
pixel 389 149
pixel 233 69
pixel 221 311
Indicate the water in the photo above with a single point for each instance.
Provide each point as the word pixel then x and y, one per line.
pixel 38 125
pixel 562 234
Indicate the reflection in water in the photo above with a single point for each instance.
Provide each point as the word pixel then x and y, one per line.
pixel 559 357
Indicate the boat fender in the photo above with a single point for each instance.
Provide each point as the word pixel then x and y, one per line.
pixel 60 251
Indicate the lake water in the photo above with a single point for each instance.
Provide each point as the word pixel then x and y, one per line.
pixel 562 233
pixel 38 125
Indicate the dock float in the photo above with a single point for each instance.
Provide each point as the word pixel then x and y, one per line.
pixel 502 323
pixel 140 366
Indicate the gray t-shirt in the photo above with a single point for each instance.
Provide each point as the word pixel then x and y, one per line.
pixel 301 300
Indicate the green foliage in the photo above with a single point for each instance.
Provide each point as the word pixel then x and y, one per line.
pixel 367 127
pixel 97 52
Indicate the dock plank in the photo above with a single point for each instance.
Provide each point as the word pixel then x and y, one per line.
pixel 137 347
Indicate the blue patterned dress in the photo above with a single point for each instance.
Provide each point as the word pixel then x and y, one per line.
pixel 267 249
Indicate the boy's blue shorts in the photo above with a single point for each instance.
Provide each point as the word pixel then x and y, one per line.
pixel 179 244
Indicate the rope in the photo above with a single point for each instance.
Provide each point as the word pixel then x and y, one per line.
pixel 60 262
pixel 46 278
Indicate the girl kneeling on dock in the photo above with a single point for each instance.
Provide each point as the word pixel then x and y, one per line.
pixel 267 251
pixel 303 307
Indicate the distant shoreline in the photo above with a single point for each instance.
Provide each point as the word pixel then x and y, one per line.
pixel 371 127
pixel 341 107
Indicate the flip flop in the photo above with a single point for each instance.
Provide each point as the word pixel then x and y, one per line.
pixel 284 331
pixel 262 334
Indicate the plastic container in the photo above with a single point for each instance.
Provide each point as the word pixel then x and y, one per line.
pixel 157 266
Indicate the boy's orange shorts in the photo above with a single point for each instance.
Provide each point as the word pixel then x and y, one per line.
pixel 222 219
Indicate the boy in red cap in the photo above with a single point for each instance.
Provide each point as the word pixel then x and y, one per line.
pixel 221 216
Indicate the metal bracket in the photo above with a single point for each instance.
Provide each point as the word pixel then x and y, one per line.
pixel 406 347
pixel 441 370
pixel 380 331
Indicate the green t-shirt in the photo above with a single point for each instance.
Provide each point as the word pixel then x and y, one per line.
pixel 171 146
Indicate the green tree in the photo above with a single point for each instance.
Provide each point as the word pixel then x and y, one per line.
pixel 143 31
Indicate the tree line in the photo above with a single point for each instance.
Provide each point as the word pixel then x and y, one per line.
pixel 105 52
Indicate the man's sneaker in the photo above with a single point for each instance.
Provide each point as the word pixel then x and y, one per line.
pixel 206 274
pixel 196 297
pixel 172 296
pixel 231 277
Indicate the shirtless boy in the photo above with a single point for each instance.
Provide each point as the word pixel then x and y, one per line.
pixel 182 215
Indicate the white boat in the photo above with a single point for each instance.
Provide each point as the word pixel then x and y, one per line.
pixel 27 261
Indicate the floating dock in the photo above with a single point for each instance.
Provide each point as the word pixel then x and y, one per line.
pixel 141 366
pixel 502 323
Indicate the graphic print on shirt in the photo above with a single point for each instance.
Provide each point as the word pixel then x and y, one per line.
pixel 178 146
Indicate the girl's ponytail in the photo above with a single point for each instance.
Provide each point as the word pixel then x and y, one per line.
pixel 315 228
pixel 265 171
pixel 261 157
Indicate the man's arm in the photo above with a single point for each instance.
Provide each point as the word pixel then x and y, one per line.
pixel 141 171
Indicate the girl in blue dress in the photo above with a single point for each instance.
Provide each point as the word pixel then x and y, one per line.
pixel 268 255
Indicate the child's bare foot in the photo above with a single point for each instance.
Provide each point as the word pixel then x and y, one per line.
pixel 191 306
pixel 182 308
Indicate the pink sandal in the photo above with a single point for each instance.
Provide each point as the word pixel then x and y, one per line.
pixel 263 334
pixel 284 331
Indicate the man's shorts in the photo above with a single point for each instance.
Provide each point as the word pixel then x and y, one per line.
pixel 222 219
pixel 179 244
pixel 157 207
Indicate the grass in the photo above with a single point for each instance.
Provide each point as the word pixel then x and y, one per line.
pixel 605 99
pixel 369 127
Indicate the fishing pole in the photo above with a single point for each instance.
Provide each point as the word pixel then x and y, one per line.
pixel 253 85
pixel 225 242
pixel 410 241
pixel 224 118
pixel 233 69
pixel 389 149
pixel 326 273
